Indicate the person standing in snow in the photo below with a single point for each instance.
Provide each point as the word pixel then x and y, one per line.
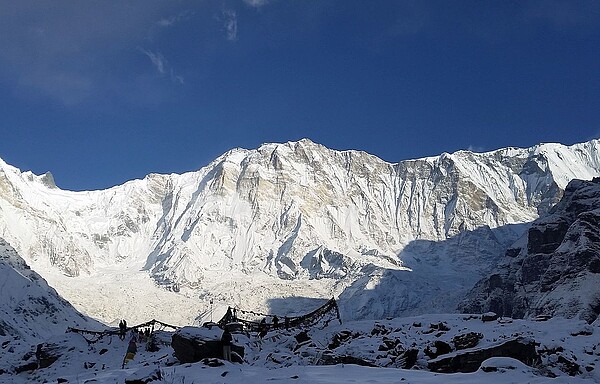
pixel 226 339
pixel 262 328
pixel 122 330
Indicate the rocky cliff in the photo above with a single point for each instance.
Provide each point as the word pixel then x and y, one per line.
pixel 555 268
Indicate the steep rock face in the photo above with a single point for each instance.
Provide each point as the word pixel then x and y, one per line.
pixel 30 310
pixel 555 268
pixel 294 212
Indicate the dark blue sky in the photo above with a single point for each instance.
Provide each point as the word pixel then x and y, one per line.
pixel 104 92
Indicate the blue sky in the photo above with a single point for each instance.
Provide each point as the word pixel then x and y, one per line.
pixel 103 92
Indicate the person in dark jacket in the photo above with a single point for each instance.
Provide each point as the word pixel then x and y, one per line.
pixel 226 339
pixel 262 328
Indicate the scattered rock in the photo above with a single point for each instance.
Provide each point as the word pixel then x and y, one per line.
pixel 585 331
pixel 570 367
pixel 440 327
pixel 388 344
pixel 302 337
pixel 489 316
pixel 408 359
pixel 437 349
pixel 27 367
pixel 339 338
pixel 330 359
pixel 467 340
pixel 379 329
pixel 47 354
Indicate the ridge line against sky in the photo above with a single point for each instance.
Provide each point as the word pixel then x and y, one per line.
pixel 102 93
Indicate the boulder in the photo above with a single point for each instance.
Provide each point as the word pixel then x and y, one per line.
pixel 470 360
pixel 192 344
pixel 437 348
pixel 47 354
pixel 489 316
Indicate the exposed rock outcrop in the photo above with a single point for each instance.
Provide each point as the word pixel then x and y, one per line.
pixel 555 268
pixel 470 360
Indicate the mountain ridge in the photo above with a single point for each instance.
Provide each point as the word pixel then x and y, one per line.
pixel 297 216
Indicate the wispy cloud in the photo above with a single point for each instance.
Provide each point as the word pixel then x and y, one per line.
pixel 176 78
pixel 256 3
pixel 161 65
pixel 476 148
pixel 230 24
pixel 66 53
pixel 172 20
pixel 157 59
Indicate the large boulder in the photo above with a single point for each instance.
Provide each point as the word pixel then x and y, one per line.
pixel 192 344
pixel 47 354
pixel 470 360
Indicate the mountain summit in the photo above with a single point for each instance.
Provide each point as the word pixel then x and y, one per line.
pixel 293 219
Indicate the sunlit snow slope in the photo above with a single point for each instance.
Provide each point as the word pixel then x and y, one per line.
pixel 294 219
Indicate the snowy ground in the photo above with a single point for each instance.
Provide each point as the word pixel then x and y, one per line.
pixel 280 358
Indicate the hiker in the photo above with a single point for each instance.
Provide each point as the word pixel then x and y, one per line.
pixel 226 339
pixel 286 321
pixel 262 328
pixel 122 329
pixel 275 322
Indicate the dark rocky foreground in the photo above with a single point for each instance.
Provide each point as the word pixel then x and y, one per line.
pixel 548 347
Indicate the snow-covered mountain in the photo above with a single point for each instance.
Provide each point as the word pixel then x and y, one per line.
pixel 554 269
pixel 294 219
pixel 30 310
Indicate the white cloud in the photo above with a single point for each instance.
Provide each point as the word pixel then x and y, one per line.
pixel 172 20
pixel 230 24
pixel 176 78
pixel 476 148
pixel 162 66
pixel 256 3
pixel 157 59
